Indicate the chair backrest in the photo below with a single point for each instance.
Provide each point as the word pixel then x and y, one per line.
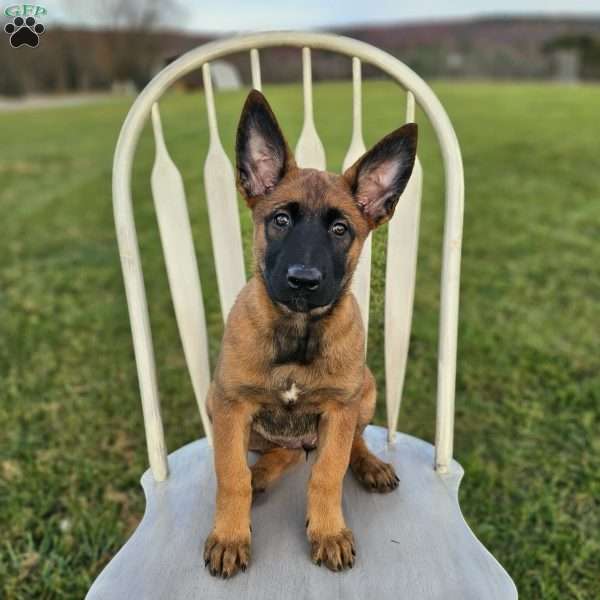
pixel 178 247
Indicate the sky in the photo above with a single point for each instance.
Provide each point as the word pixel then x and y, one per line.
pixel 222 16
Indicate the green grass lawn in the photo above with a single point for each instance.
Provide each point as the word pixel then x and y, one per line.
pixel 528 390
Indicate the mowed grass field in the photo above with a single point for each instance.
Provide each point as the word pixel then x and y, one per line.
pixel 72 447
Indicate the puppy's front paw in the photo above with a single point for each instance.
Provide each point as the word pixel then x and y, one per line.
pixel 335 551
pixel 374 474
pixel 224 557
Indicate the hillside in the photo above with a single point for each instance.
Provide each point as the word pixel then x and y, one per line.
pixel 502 47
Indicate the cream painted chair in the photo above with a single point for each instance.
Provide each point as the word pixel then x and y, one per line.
pixel 413 543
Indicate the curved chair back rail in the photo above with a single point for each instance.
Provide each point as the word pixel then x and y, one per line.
pixel 180 258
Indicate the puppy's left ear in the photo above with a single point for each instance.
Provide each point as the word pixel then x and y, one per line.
pixel 380 175
pixel 263 157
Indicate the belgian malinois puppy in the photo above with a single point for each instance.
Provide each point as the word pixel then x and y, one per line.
pixel 291 375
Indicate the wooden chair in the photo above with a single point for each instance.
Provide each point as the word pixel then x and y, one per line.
pixel 413 543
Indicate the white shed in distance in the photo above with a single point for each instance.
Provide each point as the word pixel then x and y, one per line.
pixel 225 76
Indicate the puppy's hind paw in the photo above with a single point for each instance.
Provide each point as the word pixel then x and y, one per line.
pixel 374 474
pixel 260 479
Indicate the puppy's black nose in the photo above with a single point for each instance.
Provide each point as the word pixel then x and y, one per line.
pixel 300 277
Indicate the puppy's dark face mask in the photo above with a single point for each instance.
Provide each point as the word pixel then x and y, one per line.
pixel 310 225
pixel 306 254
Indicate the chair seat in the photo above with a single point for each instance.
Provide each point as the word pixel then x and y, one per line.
pixel 412 543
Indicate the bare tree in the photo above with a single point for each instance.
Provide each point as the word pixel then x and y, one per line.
pixel 129 32
pixel 141 15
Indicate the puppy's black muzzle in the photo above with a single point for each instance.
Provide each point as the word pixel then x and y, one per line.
pixel 302 269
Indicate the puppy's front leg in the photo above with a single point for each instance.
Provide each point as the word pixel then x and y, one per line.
pixel 331 541
pixel 227 548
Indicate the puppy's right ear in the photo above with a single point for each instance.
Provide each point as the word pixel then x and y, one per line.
pixel 262 154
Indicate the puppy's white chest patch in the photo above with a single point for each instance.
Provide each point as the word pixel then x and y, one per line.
pixel 290 396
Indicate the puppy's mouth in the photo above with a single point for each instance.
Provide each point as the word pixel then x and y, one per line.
pixel 300 304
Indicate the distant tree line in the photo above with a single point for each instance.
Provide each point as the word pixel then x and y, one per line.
pixel 122 46
pixel 587 48
pixel 132 44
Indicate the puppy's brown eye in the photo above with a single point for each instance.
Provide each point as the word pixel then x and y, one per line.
pixel 339 228
pixel 282 220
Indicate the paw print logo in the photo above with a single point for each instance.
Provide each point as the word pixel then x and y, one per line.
pixel 24 32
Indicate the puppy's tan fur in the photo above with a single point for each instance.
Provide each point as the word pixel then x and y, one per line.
pixel 257 402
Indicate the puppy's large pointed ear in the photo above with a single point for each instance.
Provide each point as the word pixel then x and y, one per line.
pixel 380 175
pixel 262 154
